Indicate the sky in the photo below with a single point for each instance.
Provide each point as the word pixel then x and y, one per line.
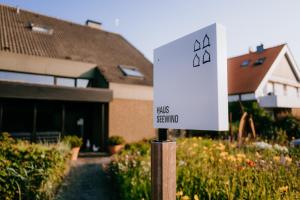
pixel 150 24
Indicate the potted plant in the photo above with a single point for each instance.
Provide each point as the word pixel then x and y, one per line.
pixel 75 143
pixel 115 144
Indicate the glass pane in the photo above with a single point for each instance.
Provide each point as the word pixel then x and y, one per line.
pixel 132 72
pixel 69 82
pixel 26 78
pixel 82 83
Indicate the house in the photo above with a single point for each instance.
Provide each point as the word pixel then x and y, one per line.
pixel 269 76
pixel 59 77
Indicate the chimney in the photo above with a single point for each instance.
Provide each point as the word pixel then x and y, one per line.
pixel 260 48
pixel 93 24
pixel 18 9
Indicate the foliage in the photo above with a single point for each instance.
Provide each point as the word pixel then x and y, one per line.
pixel 291 125
pixel 30 171
pixel 115 140
pixel 208 169
pixel 73 141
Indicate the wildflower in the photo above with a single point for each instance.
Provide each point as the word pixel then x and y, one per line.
pixel 179 193
pixel 276 158
pixel 220 147
pixel 185 198
pixel 231 158
pixel 257 155
pixel 196 197
pixel 223 154
pixel 283 189
pixel 262 145
pixel 281 149
pixel 288 159
pixel 250 163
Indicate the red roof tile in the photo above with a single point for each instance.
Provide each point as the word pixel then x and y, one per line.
pixel 247 79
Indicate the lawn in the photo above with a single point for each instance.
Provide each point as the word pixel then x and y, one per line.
pixel 208 169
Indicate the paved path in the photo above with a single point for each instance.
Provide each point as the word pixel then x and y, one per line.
pixel 86 181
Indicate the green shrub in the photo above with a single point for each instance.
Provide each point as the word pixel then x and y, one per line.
pixel 291 125
pixel 73 141
pixel 115 140
pixel 208 169
pixel 30 171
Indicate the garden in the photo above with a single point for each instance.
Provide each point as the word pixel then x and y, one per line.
pixel 211 169
pixel 33 171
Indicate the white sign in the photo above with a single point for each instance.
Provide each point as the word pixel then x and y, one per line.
pixel 190 82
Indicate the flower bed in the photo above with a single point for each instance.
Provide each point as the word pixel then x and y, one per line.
pixel 30 171
pixel 208 169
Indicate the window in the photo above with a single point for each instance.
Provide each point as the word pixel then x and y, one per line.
pixel 69 82
pixel 41 29
pixel 82 83
pixel 260 61
pixel 131 71
pixel 245 63
pixel 26 78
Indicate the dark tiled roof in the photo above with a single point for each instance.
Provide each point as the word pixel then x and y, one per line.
pixel 71 41
pixel 247 79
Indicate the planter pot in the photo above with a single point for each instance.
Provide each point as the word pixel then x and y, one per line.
pixel 75 152
pixel 115 148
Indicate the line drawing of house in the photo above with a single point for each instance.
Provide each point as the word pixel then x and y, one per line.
pixel 197 45
pixel 206 57
pixel 196 61
pixel 206 42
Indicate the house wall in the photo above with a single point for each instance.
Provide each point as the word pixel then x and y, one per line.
pixel 130 112
pixel 44 65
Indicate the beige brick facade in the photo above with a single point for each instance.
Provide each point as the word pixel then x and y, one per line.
pixel 131 119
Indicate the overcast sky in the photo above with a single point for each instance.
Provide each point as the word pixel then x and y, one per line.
pixel 150 24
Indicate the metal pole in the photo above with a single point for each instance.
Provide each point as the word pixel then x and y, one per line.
pixel 163 167
pixel 1 116
pixel 63 118
pixel 33 137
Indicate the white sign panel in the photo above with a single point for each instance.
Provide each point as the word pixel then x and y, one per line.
pixel 190 82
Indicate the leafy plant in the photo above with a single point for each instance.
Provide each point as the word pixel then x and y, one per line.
pixel 73 141
pixel 30 171
pixel 115 140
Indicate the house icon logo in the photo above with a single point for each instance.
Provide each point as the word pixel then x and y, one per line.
pixel 204 51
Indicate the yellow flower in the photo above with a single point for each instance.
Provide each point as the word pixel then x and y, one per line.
pixel 288 159
pixel 276 158
pixel 223 154
pixel 185 198
pixel 220 147
pixel 283 189
pixel 179 193
pixel 258 155
pixel 231 158
pixel 196 197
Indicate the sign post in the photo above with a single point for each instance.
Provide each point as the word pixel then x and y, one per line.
pixel 190 92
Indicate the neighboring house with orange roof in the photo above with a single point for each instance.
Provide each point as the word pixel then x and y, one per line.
pixel 269 76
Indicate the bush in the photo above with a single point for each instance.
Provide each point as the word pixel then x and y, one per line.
pixel 208 169
pixel 73 141
pixel 30 171
pixel 115 140
pixel 291 125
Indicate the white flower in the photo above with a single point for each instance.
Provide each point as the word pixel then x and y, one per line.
pixel 262 145
pixel 281 149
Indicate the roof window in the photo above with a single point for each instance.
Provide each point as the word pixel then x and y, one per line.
pixel 40 29
pixel 245 63
pixel 259 61
pixel 131 71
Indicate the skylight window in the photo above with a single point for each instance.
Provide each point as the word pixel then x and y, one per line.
pixel 41 29
pixel 260 61
pixel 131 71
pixel 245 63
